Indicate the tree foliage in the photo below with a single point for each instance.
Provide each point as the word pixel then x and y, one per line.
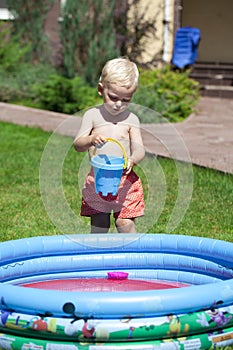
pixel 28 25
pixel 91 32
pixel 88 37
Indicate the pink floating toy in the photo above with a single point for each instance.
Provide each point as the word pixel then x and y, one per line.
pixel 117 275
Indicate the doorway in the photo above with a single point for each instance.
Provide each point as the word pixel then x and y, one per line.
pixel 214 19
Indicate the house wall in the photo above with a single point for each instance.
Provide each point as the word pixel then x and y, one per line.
pixel 3 4
pixel 214 19
pixel 160 45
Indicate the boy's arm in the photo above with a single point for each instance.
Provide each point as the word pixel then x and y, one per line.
pixel 137 147
pixel 83 143
pixel 85 139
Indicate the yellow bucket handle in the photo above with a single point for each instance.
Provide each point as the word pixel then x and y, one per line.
pixel 121 147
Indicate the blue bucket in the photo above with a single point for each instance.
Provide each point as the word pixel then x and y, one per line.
pixel 108 172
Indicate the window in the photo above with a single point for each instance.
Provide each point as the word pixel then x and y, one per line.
pixel 4 12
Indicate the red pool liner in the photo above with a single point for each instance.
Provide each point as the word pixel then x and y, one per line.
pixel 103 285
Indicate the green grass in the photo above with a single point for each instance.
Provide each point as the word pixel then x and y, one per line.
pixel 41 178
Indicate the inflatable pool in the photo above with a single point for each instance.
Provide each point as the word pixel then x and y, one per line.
pixel 116 291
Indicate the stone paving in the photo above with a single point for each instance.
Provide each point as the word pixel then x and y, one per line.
pixel 205 138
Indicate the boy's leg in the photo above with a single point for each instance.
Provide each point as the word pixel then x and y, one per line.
pixel 100 223
pixel 125 225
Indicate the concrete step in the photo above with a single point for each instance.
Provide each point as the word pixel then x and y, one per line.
pixel 217 91
pixel 213 79
pixel 216 79
pixel 215 68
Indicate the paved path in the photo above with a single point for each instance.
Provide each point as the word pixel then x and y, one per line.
pixel 205 138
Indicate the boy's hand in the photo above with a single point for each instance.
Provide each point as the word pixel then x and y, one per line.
pixel 129 166
pixel 98 140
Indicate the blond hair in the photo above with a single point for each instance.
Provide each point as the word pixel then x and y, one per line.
pixel 120 71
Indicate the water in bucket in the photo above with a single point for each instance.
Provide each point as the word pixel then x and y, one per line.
pixel 108 171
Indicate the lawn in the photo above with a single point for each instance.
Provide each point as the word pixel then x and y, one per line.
pixel 42 176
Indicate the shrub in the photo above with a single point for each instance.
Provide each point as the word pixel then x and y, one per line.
pixel 65 95
pixel 171 94
pixel 17 86
pixel 12 53
pixel 17 76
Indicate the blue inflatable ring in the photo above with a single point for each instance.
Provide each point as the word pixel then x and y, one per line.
pixel 44 257
pixel 205 264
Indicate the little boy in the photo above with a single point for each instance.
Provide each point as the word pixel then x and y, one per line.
pixel 117 84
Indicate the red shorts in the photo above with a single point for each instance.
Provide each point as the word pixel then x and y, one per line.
pixel 127 204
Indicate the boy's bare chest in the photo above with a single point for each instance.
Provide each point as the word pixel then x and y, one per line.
pixel 119 130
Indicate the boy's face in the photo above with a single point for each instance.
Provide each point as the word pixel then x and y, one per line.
pixel 116 98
